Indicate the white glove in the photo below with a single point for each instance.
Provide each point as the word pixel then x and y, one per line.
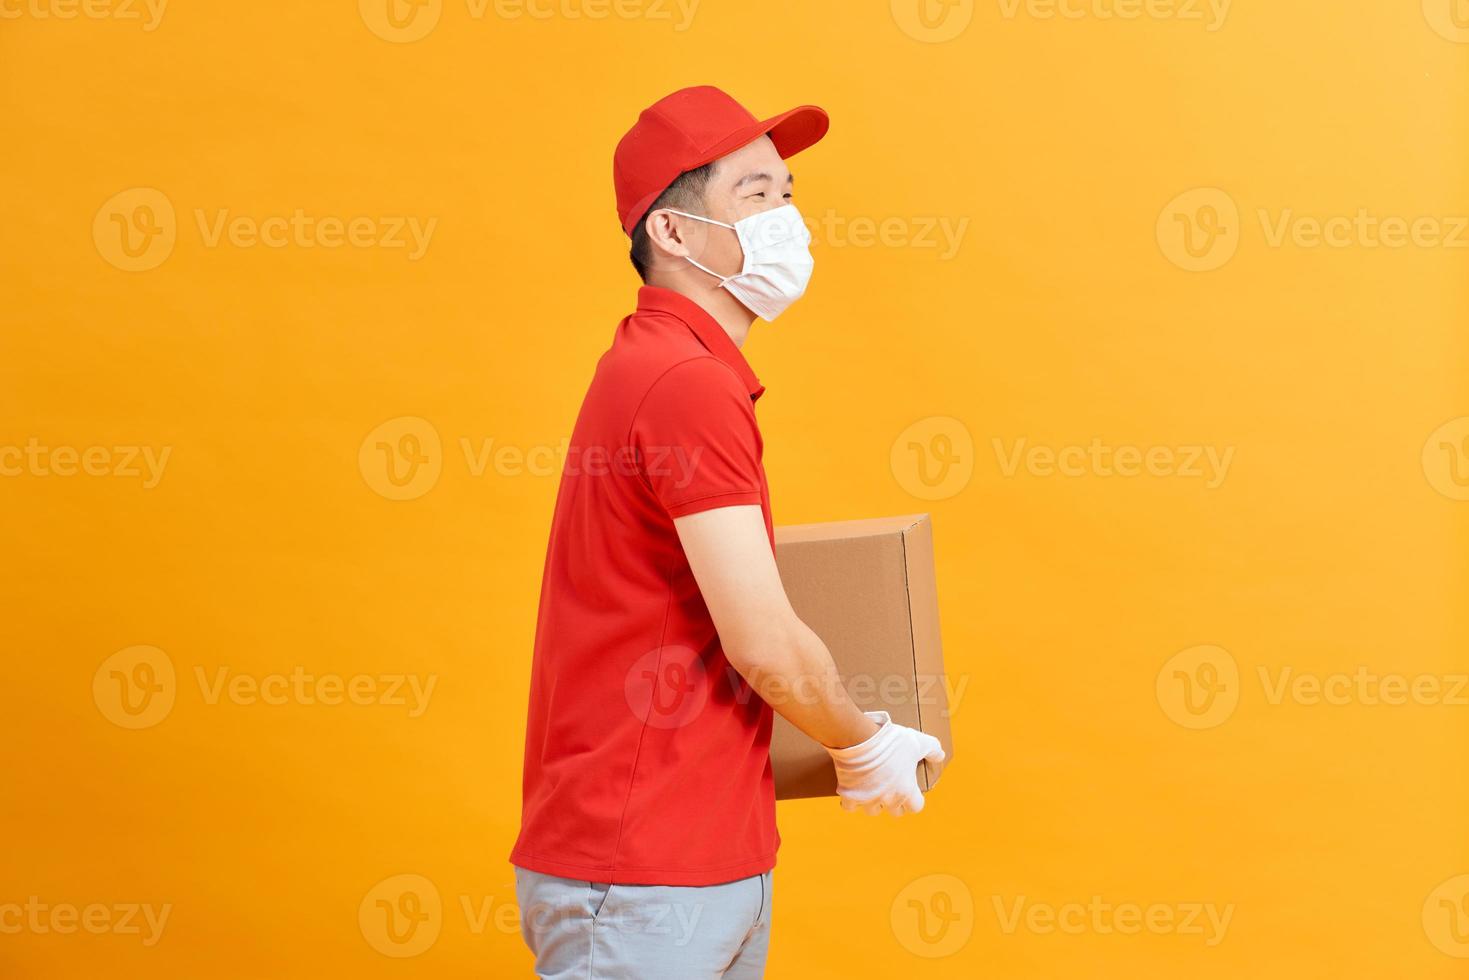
pixel 882 772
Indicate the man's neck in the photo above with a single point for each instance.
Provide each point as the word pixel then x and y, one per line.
pixel 727 311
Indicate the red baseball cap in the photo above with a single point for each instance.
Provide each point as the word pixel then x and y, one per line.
pixel 690 128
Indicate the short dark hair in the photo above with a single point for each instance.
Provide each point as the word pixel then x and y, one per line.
pixel 686 193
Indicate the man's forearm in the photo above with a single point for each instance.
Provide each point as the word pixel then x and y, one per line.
pixel 794 672
pixel 777 654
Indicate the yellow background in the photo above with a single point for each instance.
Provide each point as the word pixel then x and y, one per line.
pixel 266 547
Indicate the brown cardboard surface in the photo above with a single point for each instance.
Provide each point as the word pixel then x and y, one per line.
pixel 867 588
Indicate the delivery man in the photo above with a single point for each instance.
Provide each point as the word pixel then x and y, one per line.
pixel 664 636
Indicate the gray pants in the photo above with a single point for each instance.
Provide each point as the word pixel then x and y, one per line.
pixel 584 930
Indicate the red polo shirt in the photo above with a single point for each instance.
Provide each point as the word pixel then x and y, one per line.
pixel 647 758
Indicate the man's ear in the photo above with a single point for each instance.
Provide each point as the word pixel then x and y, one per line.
pixel 673 240
pixel 662 229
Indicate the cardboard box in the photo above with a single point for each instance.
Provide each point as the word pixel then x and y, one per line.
pixel 867 589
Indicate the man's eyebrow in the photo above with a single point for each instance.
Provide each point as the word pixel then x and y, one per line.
pixel 755 177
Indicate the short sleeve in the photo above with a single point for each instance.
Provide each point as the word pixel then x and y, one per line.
pixel 696 440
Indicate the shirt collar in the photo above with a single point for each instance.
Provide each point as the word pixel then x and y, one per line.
pixel 656 299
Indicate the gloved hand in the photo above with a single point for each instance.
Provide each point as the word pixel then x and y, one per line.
pixel 882 772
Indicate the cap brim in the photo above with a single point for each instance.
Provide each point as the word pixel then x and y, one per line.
pixel 794 131
pixel 791 132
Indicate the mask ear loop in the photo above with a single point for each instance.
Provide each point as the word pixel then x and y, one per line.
pixel 692 261
pixel 700 217
pixel 704 268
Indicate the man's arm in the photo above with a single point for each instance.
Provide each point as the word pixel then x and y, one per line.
pixel 763 639
pixel 788 665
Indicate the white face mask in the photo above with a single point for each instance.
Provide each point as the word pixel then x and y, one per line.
pixel 778 263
